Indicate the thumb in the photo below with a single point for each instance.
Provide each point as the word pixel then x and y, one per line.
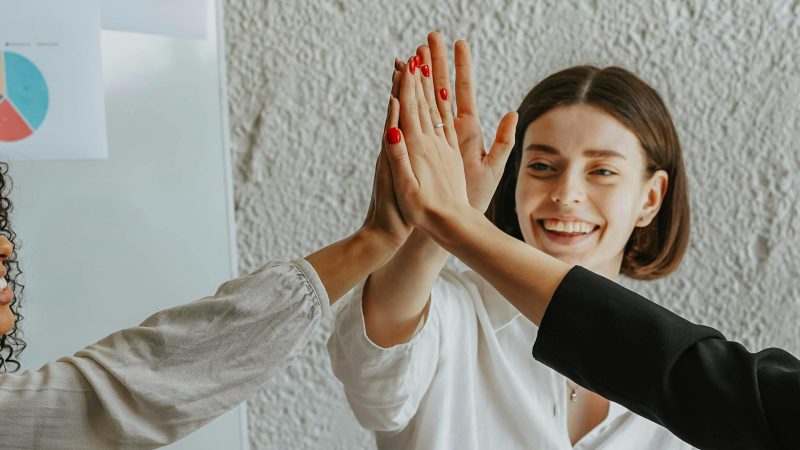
pixel 503 143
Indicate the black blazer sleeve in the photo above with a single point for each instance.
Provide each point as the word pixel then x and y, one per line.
pixel 708 391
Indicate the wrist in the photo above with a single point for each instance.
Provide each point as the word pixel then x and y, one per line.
pixel 445 224
pixel 373 245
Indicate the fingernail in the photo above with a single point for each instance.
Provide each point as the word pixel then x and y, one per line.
pixel 426 71
pixel 393 135
pixel 417 60
pixel 412 65
pixel 443 93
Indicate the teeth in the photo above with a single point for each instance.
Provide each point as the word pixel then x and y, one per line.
pixel 568 227
pixel 3 283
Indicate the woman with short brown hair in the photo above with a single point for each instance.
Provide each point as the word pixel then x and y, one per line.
pixel 596 178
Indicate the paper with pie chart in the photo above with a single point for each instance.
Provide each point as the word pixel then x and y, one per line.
pixel 23 97
pixel 51 86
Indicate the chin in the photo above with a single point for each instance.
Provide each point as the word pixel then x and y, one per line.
pixel 568 257
pixel 575 260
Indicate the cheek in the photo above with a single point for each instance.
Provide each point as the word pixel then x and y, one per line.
pixel 619 206
pixel 529 195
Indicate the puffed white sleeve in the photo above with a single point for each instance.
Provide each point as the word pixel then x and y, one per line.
pixel 150 385
pixel 384 386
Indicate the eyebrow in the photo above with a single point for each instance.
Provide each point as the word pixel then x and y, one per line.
pixel 591 153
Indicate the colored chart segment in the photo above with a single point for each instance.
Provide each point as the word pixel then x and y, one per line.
pixel 26 88
pixel 12 126
pixel 2 77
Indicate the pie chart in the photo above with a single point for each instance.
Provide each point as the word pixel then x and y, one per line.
pixel 23 97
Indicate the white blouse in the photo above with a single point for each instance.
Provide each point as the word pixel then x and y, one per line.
pixel 150 385
pixel 467 380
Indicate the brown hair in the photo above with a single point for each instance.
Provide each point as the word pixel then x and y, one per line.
pixel 653 251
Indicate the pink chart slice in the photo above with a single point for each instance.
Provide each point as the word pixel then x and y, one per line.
pixel 12 126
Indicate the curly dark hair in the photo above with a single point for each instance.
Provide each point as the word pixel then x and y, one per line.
pixel 11 343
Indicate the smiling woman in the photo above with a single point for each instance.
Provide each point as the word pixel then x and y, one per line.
pixel 594 178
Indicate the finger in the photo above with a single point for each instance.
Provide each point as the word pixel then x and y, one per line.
pixel 397 153
pixel 386 125
pixel 503 144
pixel 427 87
pixel 393 118
pixel 399 67
pixel 383 172
pixel 465 93
pixel 396 82
pixel 392 115
pixel 409 115
pixel 422 104
pixel 441 85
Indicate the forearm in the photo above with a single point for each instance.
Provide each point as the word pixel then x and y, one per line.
pixel 525 276
pixel 395 296
pixel 686 374
pixel 343 264
pixel 150 385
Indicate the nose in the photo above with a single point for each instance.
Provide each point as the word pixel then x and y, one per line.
pixel 6 248
pixel 569 191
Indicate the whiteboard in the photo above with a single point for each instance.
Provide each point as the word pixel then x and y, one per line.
pixel 106 243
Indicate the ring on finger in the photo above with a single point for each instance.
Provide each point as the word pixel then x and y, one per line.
pixel 438 125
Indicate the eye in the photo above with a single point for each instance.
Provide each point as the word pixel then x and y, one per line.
pixel 603 172
pixel 541 167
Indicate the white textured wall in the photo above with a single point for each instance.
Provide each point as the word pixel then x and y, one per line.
pixel 308 87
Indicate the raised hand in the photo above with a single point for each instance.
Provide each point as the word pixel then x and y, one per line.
pixel 427 168
pixel 384 220
pixel 342 264
pixel 483 169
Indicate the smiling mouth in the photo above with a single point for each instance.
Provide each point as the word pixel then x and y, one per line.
pixel 560 229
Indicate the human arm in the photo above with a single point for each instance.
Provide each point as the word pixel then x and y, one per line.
pixel 152 384
pixel 343 264
pixel 709 391
pixel 396 295
pixel 386 383
pixel 431 191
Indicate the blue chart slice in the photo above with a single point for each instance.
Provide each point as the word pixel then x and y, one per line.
pixel 26 88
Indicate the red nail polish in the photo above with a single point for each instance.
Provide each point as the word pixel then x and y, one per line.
pixel 417 60
pixel 426 71
pixel 412 66
pixel 443 93
pixel 393 135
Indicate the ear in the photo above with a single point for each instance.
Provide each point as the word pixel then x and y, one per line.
pixel 653 196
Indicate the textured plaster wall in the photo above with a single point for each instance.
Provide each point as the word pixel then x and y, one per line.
pixel 308 85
